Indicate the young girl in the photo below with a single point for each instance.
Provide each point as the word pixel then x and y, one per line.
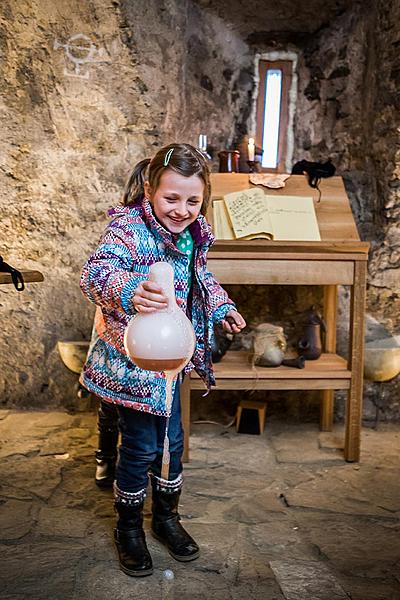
pixel 162 218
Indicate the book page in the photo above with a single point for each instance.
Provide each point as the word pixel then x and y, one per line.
pixel 293 218
pixel 248 214
pixel 222 228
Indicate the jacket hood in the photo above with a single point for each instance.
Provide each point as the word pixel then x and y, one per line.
pixel 200 229
pixel 115 211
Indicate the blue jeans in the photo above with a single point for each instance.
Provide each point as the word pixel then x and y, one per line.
pixel 141 449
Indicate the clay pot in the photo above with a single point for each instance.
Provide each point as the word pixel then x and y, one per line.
pixel 73 354
pixel 382 359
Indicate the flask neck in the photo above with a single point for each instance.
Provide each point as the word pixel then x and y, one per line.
pixel 163 274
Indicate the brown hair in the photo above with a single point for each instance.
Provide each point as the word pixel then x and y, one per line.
pixel 185 160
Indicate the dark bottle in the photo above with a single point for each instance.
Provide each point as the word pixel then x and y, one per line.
pixel 310 343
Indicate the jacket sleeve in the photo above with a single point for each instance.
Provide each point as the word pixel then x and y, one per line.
pixel 219 303
pixel 108 277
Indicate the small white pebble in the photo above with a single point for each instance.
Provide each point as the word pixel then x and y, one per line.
pixel 168 574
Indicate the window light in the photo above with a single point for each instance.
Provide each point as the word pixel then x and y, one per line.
pixel 270 142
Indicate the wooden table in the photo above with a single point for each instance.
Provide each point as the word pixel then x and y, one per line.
pixel 340 258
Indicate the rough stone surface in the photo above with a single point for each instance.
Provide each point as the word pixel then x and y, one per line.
pixel 271 526
pixel 21 523
pixel 348 110
pixel 301 580
pixel 258 22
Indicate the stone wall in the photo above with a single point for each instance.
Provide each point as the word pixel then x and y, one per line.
pixel 384 266
pixel 348 107
pixel 88 89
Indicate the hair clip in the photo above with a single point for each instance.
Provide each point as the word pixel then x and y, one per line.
pixel 167 157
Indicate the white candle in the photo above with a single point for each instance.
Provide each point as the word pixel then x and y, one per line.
pixel 202 142
pixel 251 149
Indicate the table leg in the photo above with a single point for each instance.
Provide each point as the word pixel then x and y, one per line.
pixel 330 311
pixel 185 409
pixel 356 363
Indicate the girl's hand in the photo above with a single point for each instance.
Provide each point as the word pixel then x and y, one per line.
pixel 233 322
pixel 149 297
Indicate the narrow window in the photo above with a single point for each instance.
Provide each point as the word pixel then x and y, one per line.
pixel 272 113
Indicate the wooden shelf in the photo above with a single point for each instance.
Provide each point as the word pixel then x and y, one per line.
pixel 235 372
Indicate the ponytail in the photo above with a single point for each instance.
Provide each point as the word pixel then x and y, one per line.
pixel 134 189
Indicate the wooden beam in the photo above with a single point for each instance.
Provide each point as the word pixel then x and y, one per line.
pixel 29 277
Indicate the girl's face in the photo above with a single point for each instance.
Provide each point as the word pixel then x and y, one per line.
pixel 177 200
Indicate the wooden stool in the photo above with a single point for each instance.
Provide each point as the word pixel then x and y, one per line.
pixel 261 407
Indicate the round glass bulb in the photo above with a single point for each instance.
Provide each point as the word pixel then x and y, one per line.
pixel 163 340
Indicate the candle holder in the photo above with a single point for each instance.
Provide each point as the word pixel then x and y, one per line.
pixel 254 166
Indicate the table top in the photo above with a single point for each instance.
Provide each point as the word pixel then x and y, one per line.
pixel 335 219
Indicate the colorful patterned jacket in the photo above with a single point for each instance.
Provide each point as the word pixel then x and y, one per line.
pixel 132 242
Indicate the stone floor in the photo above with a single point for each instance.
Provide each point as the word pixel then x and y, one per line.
pixel 278 516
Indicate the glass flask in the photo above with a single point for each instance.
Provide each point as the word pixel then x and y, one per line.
pixel 163 340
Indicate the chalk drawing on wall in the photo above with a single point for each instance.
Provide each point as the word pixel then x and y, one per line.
pixel 80 51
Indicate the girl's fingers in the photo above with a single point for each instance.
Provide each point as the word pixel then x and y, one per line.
pixel 151 298
pixel 236 321
pixel 150 294
pixel 145 309
pixel 146 303
pixel 230 327
pixel 150 286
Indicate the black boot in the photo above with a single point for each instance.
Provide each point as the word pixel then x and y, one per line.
pixel 105 470
pixel 134 557
pixel 167 529
pixel 106 454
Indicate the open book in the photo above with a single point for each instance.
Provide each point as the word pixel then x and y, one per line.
pixel 251 214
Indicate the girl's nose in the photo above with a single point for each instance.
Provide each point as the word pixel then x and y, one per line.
pixel 181 210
